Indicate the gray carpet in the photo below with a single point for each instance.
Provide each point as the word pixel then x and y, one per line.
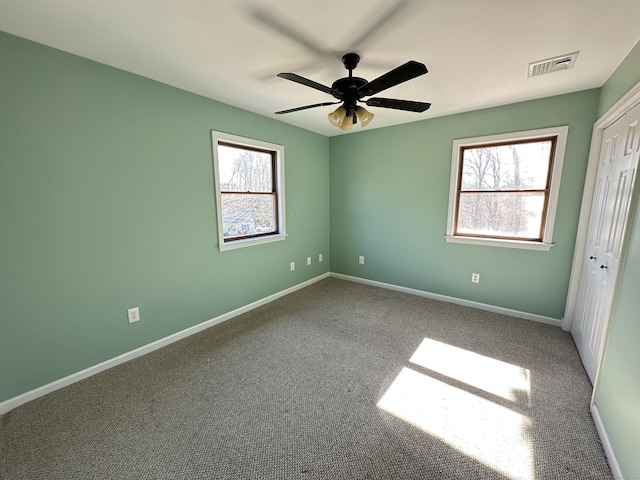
pixel 335 381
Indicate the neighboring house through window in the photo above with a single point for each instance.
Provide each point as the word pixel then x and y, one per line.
pixel 504 189
pixel 249 183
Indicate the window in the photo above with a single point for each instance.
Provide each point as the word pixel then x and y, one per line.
pixel 249 182
pixel 504 189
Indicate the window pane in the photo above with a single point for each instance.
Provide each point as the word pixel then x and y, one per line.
pixel 245 214
pixel 243 170
pixel 501 214
pixel 520 166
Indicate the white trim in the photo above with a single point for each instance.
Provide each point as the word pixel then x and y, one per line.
pixel 561 132
pixel 14 402
pixel 216 137
pixel 583 225
pixel 458 301
pixel 619 109
pixel 606 444
pixel 247 242
pixel 622 106
pixel 499 242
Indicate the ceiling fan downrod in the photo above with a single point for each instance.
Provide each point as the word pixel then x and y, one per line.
pixel 350 61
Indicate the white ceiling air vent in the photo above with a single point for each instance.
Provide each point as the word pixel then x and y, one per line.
pixel 555 64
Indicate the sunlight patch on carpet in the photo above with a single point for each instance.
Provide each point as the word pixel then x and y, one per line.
pixel 485 373
pixel 492 434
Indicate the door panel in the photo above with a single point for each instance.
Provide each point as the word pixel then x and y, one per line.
pixel 620 210
pixel 605 235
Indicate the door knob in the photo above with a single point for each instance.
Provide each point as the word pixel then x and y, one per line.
pixel 603 266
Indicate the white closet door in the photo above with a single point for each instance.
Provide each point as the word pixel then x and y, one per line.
pixel 609 213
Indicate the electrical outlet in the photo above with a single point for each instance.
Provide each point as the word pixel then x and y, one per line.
pixel 361 260
pixel 133 314
pixel 320 258
pixel 308 260
pixel 292 266
pixel 475 277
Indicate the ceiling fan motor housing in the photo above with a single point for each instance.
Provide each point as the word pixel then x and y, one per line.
pixel 347 89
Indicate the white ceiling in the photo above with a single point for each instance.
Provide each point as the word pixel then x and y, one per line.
pixel 477 52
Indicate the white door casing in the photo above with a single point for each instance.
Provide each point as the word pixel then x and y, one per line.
pixel 603 247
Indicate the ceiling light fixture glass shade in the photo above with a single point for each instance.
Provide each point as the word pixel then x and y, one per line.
pixel 364 116
pixel 347 123
pixel 336 118
pixel 340 118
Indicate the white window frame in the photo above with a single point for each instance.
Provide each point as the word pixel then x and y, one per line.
pixel 561 134
pixel 216 138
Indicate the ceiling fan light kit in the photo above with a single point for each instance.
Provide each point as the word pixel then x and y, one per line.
pixel 364 116
pixel 347 124
pixel 351 90
pixel 339 118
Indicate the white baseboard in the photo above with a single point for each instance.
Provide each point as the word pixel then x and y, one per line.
pixel 14 402
pixel 606 444
pixel 459 301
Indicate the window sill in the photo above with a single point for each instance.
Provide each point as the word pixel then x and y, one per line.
pixel 248 242
pixel 494 242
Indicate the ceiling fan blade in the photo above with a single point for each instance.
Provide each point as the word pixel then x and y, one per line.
pixel 398 104
pixel 275 23
pixel 398 75
pixel 305 81
pixel 390 16
pixel 306 107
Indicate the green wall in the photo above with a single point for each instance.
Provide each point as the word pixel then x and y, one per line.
pixel 107 202
pixel 389 200
pixel 621 81
pixel 617 394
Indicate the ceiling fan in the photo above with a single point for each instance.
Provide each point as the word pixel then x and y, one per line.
pixel 351 90
pixel 371 25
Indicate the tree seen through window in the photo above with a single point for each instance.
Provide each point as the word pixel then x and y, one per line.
pixel 247 191
pixel 503 189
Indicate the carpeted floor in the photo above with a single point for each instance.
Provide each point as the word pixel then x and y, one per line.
pixel 336 381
